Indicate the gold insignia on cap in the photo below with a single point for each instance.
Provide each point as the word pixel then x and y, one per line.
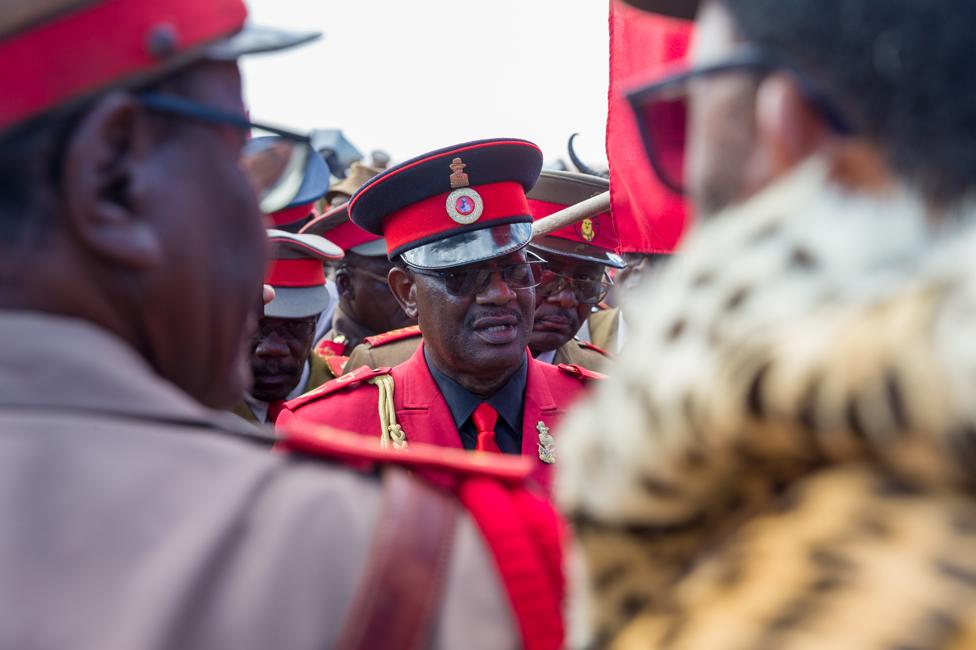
pixel 546 452
pixel 458 177
pixel 588 229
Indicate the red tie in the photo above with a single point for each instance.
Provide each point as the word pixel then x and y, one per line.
pixel 484 419
pixel 274 410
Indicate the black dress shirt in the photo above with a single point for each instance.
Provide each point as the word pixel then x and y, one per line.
pixel 508 401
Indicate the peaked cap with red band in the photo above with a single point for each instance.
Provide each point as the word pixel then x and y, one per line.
pixel 314 185
pixel 593 239
pixel 336 226
pixel 57 53
pixel 297 275
pixel 454 206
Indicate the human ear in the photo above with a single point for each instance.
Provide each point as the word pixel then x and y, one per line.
pixel 789 128
pixel 104 183
pixel 404 289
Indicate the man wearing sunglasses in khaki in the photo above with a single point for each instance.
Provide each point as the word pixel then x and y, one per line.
pixel 786 450
pixel 456 222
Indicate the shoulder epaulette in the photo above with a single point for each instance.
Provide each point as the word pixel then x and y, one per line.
pixel 586 345
pixel 347 380
pixel 326 442
pixel 336 364
pixel 580 371
pixel 328 348
pixel 392 336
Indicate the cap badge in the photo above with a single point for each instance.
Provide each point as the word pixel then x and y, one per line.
pixel 588 229
pixel 464 204
pixel 458 177
pixel 546 453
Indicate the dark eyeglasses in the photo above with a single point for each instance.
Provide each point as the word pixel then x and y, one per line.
pixel 472 281
pixel 286 328
pixel 586 292
pixel 662 111
pixel 274 166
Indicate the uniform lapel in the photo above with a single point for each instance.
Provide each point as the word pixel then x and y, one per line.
pixel 421 410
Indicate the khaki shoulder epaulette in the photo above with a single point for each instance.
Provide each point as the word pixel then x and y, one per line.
pixel 378 340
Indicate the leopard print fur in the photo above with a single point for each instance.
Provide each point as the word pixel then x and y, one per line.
pixel 783 456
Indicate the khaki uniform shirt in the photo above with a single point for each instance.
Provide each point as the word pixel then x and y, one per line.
pixel 136 518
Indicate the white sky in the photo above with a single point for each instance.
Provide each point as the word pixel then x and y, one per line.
pixel 409 76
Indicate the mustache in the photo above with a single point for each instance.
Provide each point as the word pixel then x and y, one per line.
pixel 275 368
pixel 497 312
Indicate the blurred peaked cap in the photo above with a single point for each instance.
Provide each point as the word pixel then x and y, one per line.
pixel 297 274
pixel 356 177
pixel 298 246
pixel 57 53
pixel 336 225
pixel 591 240
pixel 453 206
pixel 685 9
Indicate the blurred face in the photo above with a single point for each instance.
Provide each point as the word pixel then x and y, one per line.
pixel 721 122
pixel 559 314
pixel 278 355
pixel 366 295
pixel 482 334
pixel 207 295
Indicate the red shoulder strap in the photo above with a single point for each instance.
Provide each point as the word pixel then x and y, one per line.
pixel 339 383
pixel 523 534
pixel 325 442
pixel 393 335
pixel 326 348
pixel 336 364
pixel 586 345
pixel 580 371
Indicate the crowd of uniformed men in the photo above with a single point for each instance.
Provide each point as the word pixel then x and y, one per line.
pixel 244 404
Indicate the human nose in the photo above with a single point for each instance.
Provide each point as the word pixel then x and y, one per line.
pixel 565 297
pixel 497 291
pixel 271 346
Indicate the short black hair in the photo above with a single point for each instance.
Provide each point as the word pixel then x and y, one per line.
pixel 902 72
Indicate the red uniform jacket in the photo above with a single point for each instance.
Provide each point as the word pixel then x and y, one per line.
pixel 350 403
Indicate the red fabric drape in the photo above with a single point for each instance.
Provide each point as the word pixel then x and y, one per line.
pixel 649 218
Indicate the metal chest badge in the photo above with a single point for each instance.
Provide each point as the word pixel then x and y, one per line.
pixel 546 452
pixel 464 204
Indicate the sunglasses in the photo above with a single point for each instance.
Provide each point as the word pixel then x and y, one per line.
pixel 275 166
pixel 586 292
pixel 472 281
pixel 661 109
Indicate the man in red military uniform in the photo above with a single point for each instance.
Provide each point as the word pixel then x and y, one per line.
pixel 457 222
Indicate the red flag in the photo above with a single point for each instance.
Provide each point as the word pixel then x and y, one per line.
pixel 649 217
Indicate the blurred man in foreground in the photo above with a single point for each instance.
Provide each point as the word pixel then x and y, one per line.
pixel 132 258
pixel 802 450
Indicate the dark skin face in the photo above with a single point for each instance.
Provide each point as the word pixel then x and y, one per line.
pixel 278 355
pixel 365 295
pixel 478 340
pixel 559 315
pixel 158 236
